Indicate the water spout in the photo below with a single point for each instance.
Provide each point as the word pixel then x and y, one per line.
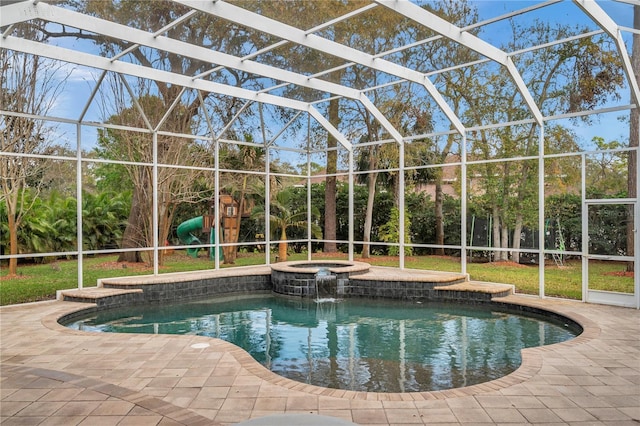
pixel 326 286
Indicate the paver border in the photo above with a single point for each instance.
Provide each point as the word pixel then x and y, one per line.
pixel 531 357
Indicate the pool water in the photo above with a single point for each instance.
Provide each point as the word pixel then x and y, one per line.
pixel 354 344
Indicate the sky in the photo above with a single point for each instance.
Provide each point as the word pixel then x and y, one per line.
pixel 81 80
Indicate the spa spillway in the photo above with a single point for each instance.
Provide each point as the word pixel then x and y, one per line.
pixel 317 278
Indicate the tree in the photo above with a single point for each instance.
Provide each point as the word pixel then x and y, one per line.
pixel 390 232
pixel 199 30
pixel 574 76
pixel 443 54
pixel 240 186
pixel 346 32
pixel 286 214
pixel 29 85
pixel 175 185
pixel 398 103
pixel 606 172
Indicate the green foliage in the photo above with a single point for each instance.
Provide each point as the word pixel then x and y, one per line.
pixel 287 213
pixel 423 220
pixel 381 212
pixel 37 233
pixel 51 225
pixel 607 171
pixel 390 232
pixel 608 229
pixel 564 210
pixel 104 217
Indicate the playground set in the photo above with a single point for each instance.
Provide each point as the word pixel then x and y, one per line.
pixel 190 231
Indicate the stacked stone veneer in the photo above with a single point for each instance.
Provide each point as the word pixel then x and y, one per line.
pixel 413 290
pixel 174 287
pixel 299 278
pixel 351 282
pixel 303 284
pixel 171 291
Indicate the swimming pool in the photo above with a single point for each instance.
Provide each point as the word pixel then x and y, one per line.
pixel 373 345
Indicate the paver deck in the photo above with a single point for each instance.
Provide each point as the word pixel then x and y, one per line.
pixel 51 375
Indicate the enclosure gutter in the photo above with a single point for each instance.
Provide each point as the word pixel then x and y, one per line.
pixel 585 227
pixel 216 199
pixel 79 230
pixel 309 235
pixel 401 205
pixel 541 209
pixel 351 210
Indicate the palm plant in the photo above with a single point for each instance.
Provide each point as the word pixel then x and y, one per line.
pixel 285 214
pixel 104 218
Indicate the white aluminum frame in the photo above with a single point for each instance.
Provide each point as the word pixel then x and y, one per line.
pixel 13 13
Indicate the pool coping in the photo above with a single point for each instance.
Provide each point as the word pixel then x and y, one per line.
pixel 530 365
pixel 531 359
pixel 593 377
pixel 376 281
pixel 344 266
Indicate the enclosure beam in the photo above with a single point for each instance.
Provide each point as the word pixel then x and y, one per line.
pixel 94 91
pixel 381 118
pixel 216 201
pixel 93 61
pixel 228 125
pixel 267 206
pixel 351 210
pixel 155 40
pixel 154 198
pixel 541 209
pixel 330 128
pixel 464 38
pixel 463 204
pixel 584 219
pixel 401 206
pixel 216 184
pixel 79 207
pixel 595 12
pixel 270 26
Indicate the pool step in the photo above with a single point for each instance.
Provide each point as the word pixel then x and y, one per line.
pixel 377 282
pixel 101 296
pixel 491 290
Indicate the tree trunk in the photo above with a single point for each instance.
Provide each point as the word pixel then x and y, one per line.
pixel 133 233
pixel 368 219
pixel 164 224
pixel 282 246
pixel 231 253
pixel 330 193
pixel 504 233
pixel 13 243
pixel 516 238
pixel 634 137
pixel 439 216
pixel 496 232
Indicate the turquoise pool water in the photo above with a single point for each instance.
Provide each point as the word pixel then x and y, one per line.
pixel 355 344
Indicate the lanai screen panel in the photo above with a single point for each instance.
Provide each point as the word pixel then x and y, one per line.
pixel 436 86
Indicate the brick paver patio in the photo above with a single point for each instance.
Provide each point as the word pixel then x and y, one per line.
pixel 51 375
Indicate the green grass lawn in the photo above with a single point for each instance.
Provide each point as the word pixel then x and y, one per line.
pixel 40 282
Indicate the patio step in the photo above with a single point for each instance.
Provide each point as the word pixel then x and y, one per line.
pixel 492 289
pixel 101 296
